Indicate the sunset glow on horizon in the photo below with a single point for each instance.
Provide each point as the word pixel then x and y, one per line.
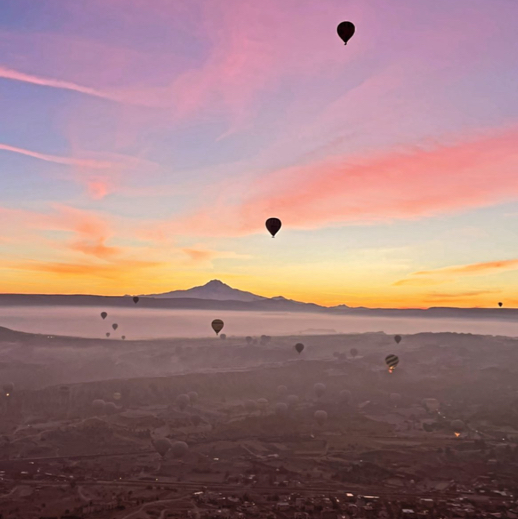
pixel 144 143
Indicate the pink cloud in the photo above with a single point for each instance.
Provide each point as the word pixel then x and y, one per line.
pixel 366 189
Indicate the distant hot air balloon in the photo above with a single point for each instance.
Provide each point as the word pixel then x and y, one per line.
pixel 217 325
pixel 248 340
pixel 500 304
pixel 345 30
pixel 99 406
pixel 281 409
pixel 345 396
pixel 397 338
pixel 320 417
pixel 115 326
pixel 193 397
pixel 292 400
pixel 162 446
pixel 273 225
pixel 8 388
pixel 107 334
pixel 250 406
pixel 136 299
pixel 458 426
pixel 299 347
pixel 391 361
pixel 319 389
pixel 117 395
pixel 179 449
pixel 354 352
pixel 104 315
pixel 182 401
pixel 123 337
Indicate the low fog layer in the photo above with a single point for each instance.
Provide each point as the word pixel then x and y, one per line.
pixel 139 323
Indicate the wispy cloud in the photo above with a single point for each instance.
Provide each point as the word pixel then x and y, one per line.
pixel 416 184
pixel 473 269
pixel 16 75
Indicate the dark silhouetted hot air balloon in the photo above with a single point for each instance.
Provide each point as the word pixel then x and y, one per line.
pixel 320 417
pixel 500 304
pixel 115 326
pixel 299 347
pixel 104 315
pixel 123 337
pixel 397 338
pixel 248 340
pixel 136 299
pixel 217 325
pixel 107 334
pixel 319 389
pixel 273 225
pixel 391 361
pixel 345 30
pixel 354 352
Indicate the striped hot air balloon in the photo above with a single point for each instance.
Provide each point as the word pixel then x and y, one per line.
pixel 391 361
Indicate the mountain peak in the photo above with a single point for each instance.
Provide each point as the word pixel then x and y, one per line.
pixel 216 283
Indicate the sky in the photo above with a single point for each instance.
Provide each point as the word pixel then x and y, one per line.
pixel 143 144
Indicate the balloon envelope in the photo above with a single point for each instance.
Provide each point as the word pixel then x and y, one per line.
pixel 397 338
pixel 273 225
pixel 217 325
pixel 282 390
pixel 99 405
pixel 162 446
pixel 500 304
pixel 319 389
pixel 320 417
pixel 179 449
pixel 292 400
pixel 182 401
pixel 136 299
pixel 354 352
pixel 115 326
pixel 391 361
pixel 107 334
pixel 345 30
pixel 299 347
pixel 104 315
pixel 281 409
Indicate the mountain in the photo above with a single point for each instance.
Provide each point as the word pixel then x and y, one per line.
pixel 215 290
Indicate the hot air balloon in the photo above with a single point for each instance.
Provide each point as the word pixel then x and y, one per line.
pixel 182 401
pixel 282 390
pixel 281 409
pixel 248 340
pixel 345 30
pixel 320 417
pixel 319 389
pixel 395 398
pixel 193 397
pixel 99 406
pixel 115 326
pixel 217 325
pixel 354 352
pixel 397 338
pixel 273 225
pixel 431 404
pixel 110 408
pixel 250 406
pixel 179 449
pixel 8 388
pixel 195 420
pixel 345 396
pixel 299 347
pixel 104 315
pixel 391 361
pixel 223 336
pixel 500 304
pixel 117 395
pixel 123 337
pixel 162 446
pixel 458 426
pixel 136 299
pixel 292 400
pixel 107 334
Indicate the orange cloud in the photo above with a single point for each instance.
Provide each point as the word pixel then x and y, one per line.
pixel 204 255
pixel 416 184
pixel 473 269
pixel 96 248
pixel 460 295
